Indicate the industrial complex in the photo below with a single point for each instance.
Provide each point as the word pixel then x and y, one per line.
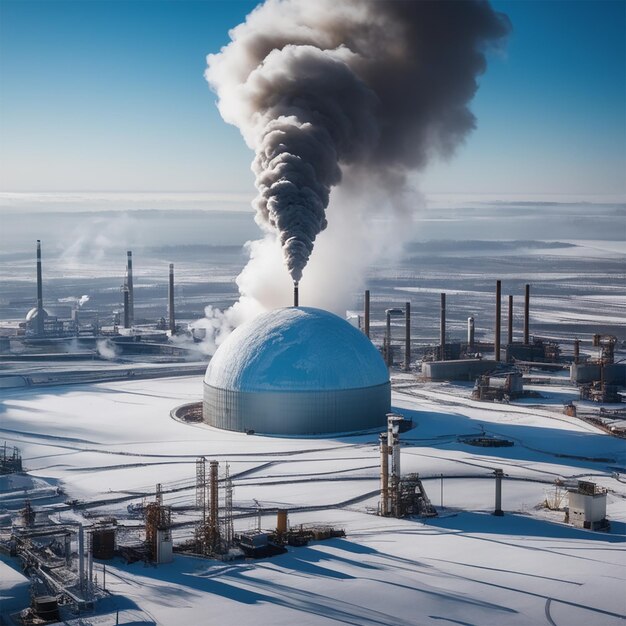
pixel 283 391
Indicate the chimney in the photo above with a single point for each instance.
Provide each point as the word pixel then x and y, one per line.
pixel 126 306
pixel 442 328
pixel 296 295
pixel 496 344
pixel 526 315
pixel 170 298
pixel 40 315
pixel 470 332
pixel 510 320
pixel 407 336
pixel 129 285
pixel 366 320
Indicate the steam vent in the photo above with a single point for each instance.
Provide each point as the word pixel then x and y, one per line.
pixel 297 371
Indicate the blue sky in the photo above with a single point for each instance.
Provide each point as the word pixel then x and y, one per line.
pixel 110 96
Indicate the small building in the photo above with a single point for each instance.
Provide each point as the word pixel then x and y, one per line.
pixel 587 507
pixel 460 369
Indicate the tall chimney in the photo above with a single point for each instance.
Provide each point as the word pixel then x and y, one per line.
pixel 407 336
pixel 496 345
pixel 170 299
pixel 40 314
pixel 470 332
pixel 366 320
pixel 296 295
pixel 527 315
pixel 510 321
pixel 126 306
pixel 442 328
pixel 129 284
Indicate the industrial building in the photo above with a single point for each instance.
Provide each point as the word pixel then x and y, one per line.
pixel 297 371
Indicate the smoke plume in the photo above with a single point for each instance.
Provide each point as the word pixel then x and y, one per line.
pixel 367 90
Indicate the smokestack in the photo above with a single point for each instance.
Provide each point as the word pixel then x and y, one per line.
pixel 126 306
pixel 367 313
pixel 576 350
pixel 40 314
pixel 496 343
pixel 296 295
pixel 384 475
pixel 407 336
pixel 170 298
pixel 129 285
pixel 470 332
pixel 510 320
pixel 527 315
pixel 498 509
pixel 442 328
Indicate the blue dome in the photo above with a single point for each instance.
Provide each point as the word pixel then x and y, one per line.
pixel 296 349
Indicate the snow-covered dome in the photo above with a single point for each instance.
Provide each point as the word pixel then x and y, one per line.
pixel 296 349
pixel 34 313
pixel 296 370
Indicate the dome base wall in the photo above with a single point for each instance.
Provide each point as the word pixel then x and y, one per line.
pixel 297 412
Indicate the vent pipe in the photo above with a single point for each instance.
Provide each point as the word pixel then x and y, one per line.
pixel 510 321
pixel 366 320
pixel 170 298
pixel 40 314
pixel 442 328
pixel 470 332
pixel 499 475
pixel 129 285
pixel 496 346
pixel 527 315
pixel 296 295
pixel 407 337
pixel 126 306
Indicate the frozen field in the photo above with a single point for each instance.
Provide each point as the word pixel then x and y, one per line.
pixel 108 444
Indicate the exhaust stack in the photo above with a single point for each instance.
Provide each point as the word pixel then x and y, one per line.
pixel 170 300
pixel 470 332
pixel 407 336
pixel 442 328
pixel 527 315
pixel 40 314
pixel 129 286
pixel 296 295
pixel 366 320
pixel 496 345
pixel 510 321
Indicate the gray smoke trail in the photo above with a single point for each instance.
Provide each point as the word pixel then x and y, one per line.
pixel 317 87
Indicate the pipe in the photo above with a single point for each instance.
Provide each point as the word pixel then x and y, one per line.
pixel 81 558
pixel 213 502
pixel 527 315
pixel 496 345
pixel 498 510
pixel 576 350
pixel 442 328
pixel 129 284
pixel 510 321
pixel 388 340
pixel 407 337
pixel 296 295
pixel 40 314
pixel 470 332
pixel 170 299
pixel 126 307
pixel 367 313
pixel 384 475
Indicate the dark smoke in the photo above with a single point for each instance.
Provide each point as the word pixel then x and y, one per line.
pixel 320 85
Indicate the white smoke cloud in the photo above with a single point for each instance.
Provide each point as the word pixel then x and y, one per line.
pixel 107 349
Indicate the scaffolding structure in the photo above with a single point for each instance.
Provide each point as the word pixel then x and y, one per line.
pixel 214 532
pixel 158 525
pixel 399 496
pixel 10 459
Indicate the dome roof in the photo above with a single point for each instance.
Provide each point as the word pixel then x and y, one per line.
pixel 34 312
pixel 296 349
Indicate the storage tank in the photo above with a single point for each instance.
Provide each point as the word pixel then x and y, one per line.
pixel 297 370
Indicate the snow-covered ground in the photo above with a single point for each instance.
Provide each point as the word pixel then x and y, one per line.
pixel 108 445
